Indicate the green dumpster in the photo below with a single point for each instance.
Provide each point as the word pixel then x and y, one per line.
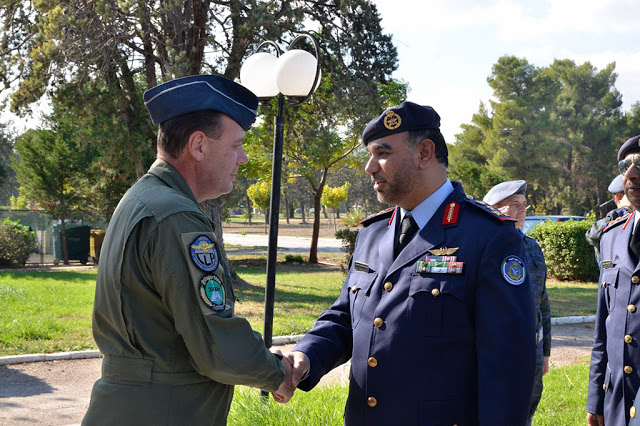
pixel 77 243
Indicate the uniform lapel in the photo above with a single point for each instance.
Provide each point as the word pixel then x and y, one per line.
pixel 385 247
pixel 622 255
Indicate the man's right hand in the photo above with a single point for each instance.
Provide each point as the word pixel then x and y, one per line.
pixel 300 366
pixel 595 419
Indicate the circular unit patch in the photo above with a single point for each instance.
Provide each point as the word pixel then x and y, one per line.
pixel 513 270
pixel 204 254
pixel 212 292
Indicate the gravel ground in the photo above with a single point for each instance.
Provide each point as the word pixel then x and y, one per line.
pixel 57 392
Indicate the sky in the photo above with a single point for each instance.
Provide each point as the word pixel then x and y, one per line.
pixel 446 48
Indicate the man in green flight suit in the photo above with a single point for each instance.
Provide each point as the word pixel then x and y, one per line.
pixel 163 314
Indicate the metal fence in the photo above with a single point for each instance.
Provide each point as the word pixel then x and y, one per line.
pixel 43 226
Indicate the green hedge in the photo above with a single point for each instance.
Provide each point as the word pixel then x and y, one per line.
pixel 16 241
pixel 566 251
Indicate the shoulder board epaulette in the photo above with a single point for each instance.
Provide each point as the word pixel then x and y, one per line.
pixel 378 216
pixel 616 222
pixel 495 213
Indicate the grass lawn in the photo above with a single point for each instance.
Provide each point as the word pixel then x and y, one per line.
pixel 44 312
pixel 50 311
pixel 568 298
pixel 563 403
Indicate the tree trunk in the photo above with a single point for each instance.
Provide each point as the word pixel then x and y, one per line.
pixel 63 243
pixel 249 210
pixel 304 218
pixel 313 250
pixel 317 196
pixel 286 208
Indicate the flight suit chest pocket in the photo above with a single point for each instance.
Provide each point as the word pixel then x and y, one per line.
pixel 359 285
pixel 609 282
pixel 432 298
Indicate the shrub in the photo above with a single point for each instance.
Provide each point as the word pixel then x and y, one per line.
pixel 293 258
pixel 16 241
pixel 348 238
pixel 566 251
pixel 353 218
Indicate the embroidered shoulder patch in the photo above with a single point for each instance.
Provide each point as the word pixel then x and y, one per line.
pixel 513 270
pixel 212 292
pixel 204 253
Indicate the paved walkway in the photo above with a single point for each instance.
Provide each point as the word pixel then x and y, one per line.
pixel 57 392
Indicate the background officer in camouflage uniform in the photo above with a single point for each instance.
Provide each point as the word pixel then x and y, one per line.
pixel 509 198
pixel 163 313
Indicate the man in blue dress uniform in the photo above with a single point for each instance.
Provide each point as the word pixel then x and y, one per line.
pixel 594 234
pixel 436 311
pixel 614 378
pixel 509 198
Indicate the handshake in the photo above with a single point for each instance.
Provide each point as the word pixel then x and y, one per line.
pixel 296 365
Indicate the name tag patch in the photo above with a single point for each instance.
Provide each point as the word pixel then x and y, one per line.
pixel 364 267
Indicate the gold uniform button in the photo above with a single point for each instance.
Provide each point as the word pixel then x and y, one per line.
pixel 631 308
pixel 628 338
pixel 388 286
pixel 378 322
pixel 628 369
pixel 372 362
pixel 435 292
pixel 354 289
pixel 635 279
pixel 604 386
pixel 604 285
pixel 632 412
pixel 372 402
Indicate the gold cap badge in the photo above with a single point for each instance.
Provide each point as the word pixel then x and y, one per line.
pixel 392 120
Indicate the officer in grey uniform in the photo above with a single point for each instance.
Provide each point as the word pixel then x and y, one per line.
pixel 614 375
pixel 164 306
pixel 594 234
pixel 509 197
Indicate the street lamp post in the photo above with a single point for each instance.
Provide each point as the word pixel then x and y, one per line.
pixel 292 76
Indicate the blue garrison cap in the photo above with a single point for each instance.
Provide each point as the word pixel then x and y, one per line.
pixel 402 118
pixel 616 185
pixel 505 190
pixel 200 93
pixel 631 145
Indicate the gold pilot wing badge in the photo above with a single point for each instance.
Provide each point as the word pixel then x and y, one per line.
pixel 444 251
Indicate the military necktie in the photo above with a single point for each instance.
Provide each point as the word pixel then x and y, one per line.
pixel 408 228
pixel 634 244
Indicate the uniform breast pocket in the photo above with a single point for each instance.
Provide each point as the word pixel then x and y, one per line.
pixel 432 298
pixel 359 285
pixel 609 282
